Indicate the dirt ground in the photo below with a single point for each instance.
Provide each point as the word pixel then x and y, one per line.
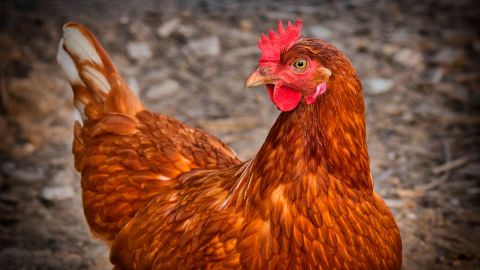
pixel 419 62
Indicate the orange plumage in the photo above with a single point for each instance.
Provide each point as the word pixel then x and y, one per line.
pixel 168 196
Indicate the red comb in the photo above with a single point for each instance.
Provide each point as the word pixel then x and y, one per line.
pixel 272 46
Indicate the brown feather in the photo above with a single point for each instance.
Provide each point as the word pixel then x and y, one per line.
pixel 167 196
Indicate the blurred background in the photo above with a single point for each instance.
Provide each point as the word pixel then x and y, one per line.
pixel 419 62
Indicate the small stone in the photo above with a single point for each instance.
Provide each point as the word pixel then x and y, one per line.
pixel 449 57
pixel 28 175
pixel 155 76
pixel 319 31
pixel 245 24
pixel 401 35
pixel 57 193
pixel 361 44
pixel 63 176
pixel 124 20
pixel 140 30
pixel 163 89
pixel 22 150
pixel 409 58
pixel 389 49
pixel 455 201
pixel 392 109
pixel 394 203
pixel 412 216
pixel 392 155
pixel 375 86
pixel 408 117
pixel 139 50
pixel 186 30
pixel 167 28
pixel 209 46
pixel 437 75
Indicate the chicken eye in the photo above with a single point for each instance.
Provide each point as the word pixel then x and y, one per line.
pixel 300 64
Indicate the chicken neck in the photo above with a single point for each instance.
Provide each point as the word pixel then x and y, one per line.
pixel 328 136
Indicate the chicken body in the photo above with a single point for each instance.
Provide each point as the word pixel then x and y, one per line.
pixel 167 196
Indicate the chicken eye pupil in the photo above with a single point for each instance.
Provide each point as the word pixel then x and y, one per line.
pixel 300 64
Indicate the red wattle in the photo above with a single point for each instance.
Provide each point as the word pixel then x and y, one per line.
pixel 286 98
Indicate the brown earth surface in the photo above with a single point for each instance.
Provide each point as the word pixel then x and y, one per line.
pixel 419 62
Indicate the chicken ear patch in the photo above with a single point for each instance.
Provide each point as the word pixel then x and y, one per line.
pixel 286 98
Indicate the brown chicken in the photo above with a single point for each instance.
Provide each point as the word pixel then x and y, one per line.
pixel 167 196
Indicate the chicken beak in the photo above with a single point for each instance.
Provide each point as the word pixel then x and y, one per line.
pixel 256 78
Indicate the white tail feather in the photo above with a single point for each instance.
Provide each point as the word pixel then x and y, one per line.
pixel 79 46
pixel 96 84
pixel 68 65
pixel 97 78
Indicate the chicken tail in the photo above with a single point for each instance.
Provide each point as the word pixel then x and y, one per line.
pixel 104 106
pixel 97 86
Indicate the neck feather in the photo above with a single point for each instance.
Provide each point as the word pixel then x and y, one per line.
pixel 326 136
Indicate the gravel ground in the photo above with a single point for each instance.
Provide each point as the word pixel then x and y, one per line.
pixel 418 61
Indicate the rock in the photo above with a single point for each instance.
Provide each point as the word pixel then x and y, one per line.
pixel 389 50
pixel 400 36
pixel 155 76
pixel 409 58
pixel 167 28
pixel 437 75
pixel 57 193
pixel 186 30
pixel 139 50
pixel 245 24
pixel 455 201
pixel 392 155
pixel 209 46
pixel 140 30
pixel 375 86
pixel 408 117
pixel 412 216
pixel 63 176
pixel 28 175
pixel 163 89
pixel 319 31
pixel 394 203
pixel 449 57
pixel 124 20
pixel 361 44
pixel 393 109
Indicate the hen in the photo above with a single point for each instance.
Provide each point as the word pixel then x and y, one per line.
pixel 168 196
